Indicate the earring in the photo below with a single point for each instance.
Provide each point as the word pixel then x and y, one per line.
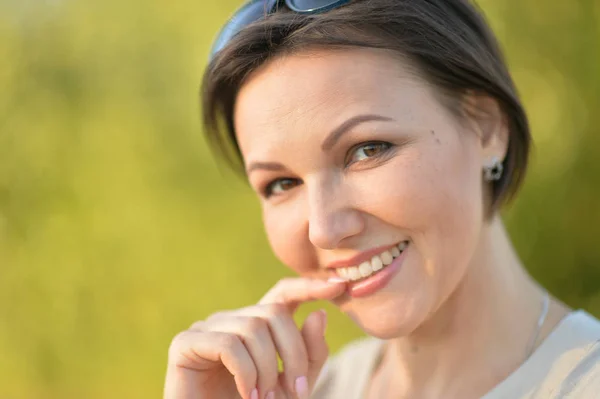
pixel 493 170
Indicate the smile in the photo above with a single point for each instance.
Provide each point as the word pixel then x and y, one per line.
pixel 374 265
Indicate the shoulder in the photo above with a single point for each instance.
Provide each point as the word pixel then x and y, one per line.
pixel 582 378
pixel 568 364
pixel 347 373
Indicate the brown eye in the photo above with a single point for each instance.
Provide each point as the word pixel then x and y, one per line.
pixel 368 150
pixel 280 185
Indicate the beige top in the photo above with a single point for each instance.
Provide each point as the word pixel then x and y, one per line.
pixel 565 365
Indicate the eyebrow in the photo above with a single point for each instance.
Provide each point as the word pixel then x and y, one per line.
pixel 272 166
pixel 331 139
pixel 339 131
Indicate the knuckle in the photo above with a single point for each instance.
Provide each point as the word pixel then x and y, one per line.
pixel 215 316
pixel 276 310
pixel 230 342
pixel 286 283
pixel 282 284
pixel 179 338
pixel 197 325
pixel 255 325
pixel 178 344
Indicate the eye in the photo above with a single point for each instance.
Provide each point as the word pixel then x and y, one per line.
pixel 367 151
pixel 278 186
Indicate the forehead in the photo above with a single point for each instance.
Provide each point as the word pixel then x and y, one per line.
pixel 311 91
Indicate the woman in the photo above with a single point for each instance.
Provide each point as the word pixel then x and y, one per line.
pixel 382 138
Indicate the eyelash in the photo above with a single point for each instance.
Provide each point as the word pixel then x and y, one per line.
pixel 268 189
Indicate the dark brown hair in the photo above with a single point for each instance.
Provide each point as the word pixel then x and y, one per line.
pixel 448 41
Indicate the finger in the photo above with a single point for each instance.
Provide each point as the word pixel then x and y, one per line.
pixel 313 333
pixel 256 336
pixel 197 351
pixel 198 326
pixel 288 341
pixel 293 291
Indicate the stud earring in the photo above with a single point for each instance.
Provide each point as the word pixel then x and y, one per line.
pixel 493 170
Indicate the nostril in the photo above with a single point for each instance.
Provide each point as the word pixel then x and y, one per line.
pixel 329 230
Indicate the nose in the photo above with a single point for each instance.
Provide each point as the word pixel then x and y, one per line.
pixel 332 219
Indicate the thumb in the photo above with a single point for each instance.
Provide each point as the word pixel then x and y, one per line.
pixel 313 333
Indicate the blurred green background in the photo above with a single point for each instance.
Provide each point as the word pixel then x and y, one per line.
pixel 117 229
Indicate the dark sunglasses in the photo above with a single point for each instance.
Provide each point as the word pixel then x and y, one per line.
pixel 255 10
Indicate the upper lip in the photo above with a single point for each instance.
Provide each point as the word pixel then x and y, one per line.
pixel 359 258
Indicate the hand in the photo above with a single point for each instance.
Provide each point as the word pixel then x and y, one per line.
pixel 233 354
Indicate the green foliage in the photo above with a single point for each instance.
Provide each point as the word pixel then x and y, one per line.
pixel 117 229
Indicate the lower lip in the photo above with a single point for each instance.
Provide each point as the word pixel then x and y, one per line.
pixel 378 280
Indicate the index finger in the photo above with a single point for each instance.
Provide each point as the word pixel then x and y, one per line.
pixel 294 291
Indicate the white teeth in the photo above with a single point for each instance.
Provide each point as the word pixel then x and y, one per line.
pixel 376 263
pixel 386 257
pixel 365 269
pixel 353 273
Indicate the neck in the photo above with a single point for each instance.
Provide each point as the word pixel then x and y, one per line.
pixel 478 336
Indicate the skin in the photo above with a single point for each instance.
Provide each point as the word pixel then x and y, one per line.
pixel 421 182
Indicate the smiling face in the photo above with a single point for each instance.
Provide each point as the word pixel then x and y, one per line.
pixel 351 154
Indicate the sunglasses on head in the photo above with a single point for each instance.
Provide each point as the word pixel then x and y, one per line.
pixel 255 10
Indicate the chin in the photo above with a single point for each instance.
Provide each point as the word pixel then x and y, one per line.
pixel 386 315
pixel 397 309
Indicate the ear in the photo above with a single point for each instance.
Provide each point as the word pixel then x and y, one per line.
pixel 489 122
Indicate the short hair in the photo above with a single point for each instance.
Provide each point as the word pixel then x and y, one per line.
pixel 448 41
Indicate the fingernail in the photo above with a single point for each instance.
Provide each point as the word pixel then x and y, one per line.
pixel 254 394
pixel 324 320
pixel 302 387
pixel 335 280
pixel 270 395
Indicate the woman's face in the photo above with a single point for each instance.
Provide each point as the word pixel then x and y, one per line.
pixel 351 155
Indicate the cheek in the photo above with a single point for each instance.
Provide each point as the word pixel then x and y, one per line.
pixel 422 188
pixel 451 206
pixel 449 186
pixel 287 233
pixel 432 193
